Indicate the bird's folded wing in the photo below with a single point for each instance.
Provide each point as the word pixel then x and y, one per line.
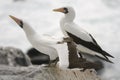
pixel 78 32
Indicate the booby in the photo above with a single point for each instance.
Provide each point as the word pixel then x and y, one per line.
pixel 40 42
pixel 46 44
pixel 84 40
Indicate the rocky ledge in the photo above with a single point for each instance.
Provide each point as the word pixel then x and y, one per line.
pixel 15 65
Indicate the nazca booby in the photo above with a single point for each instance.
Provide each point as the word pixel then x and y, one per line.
pixel 84 40
pixel 46 44
pixel 39 42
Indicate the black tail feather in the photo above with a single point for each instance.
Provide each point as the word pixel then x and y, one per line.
pixel 106 59
pixel 106 54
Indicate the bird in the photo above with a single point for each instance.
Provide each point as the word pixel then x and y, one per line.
pixel 42 43
pixel 84 40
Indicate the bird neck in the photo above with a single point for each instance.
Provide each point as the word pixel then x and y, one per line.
pixel 28 29
pixel 69 17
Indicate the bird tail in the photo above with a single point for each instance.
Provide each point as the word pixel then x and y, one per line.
pixel 106 59
pixel 106 54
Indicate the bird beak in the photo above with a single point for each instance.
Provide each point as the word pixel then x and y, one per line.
pixel 18 21
pixel 59 10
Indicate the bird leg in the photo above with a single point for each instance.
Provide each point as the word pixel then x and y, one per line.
pixel 53 62
pixel 60 42
pixel 67 39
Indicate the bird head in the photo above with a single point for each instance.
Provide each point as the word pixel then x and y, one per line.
pixel 18 21
pixel 65 10
pixel 68 11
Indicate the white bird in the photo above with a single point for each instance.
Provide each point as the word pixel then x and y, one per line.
pixel 46 44
pixel 84 40
pixel 39 42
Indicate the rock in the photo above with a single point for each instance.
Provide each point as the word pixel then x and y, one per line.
pixel 37 58
pixel 3 57
pixel 14 78
pixel 13 57
pixel 95 60
pixel 13 60
pixel 44 73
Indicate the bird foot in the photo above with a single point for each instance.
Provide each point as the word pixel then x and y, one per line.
pixel 60 42
pixel 67 39
pixel 53 63
pixel 83 70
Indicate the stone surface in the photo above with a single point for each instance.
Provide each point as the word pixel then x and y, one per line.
pixel 15 65
pixel 13 57
pixel 44 73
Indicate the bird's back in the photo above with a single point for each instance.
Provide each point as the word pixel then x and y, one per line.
pixel 39 43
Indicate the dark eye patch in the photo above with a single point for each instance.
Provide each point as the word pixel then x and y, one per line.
pixel 21 24
pixel 66 10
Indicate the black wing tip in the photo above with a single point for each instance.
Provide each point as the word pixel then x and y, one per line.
pixel 105 59
pixel 106 54
pixel 112 56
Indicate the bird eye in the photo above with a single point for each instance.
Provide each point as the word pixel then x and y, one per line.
pixel 21 24
pixel 65 10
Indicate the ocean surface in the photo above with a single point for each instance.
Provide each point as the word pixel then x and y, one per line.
pixel 101 18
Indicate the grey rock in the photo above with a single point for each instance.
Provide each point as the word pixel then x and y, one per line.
pixel 13 57
pixel 15 65
pixel 44 73
pixel 7 77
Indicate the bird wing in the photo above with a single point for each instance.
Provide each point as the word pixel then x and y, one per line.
pixel 79 32
pixel 48 40
pixel 82 37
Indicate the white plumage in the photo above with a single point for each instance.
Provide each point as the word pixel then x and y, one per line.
pixel 76 30
pixel 84 40
pixel 41 42
pixel 46 44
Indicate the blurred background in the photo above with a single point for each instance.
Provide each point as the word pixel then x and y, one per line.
pixel 101 18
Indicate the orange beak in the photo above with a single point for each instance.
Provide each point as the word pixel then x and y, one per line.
pixel 59 10
pixel 18 21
